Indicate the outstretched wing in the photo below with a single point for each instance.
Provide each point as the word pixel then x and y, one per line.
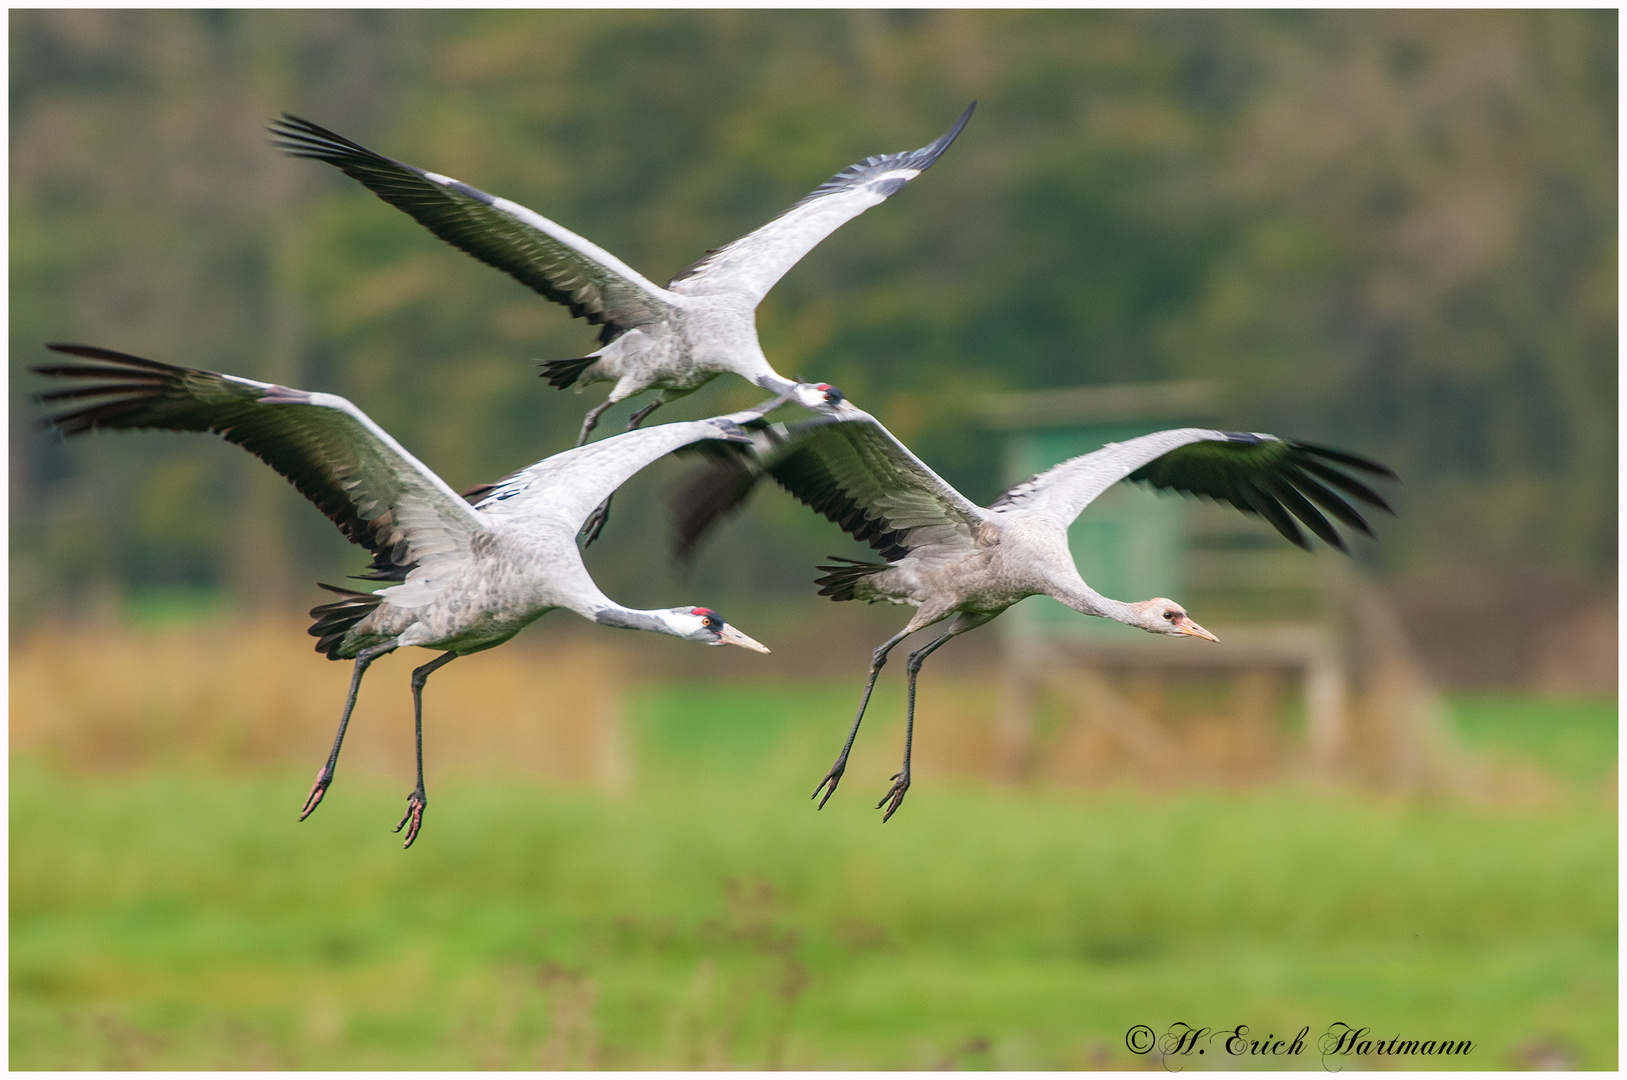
pixel 568 486
pixel 847 467
pixel 1273 478
pixel 379 496
pixel 549 258
pixel 752 264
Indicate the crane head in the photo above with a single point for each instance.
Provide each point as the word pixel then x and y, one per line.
pixel 821 396
pixel 708 627
pixel 1161 616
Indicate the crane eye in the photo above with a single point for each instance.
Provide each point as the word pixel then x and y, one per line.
pixel 710 622
pixel 1169 615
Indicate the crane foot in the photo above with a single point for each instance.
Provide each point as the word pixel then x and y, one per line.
pixel 324 777
pixel 594 525
pixel 416 805
pixel 895 795
pixel 828 784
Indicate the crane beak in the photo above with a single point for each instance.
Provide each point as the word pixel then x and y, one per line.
pixel 1185 625
pixel 730 636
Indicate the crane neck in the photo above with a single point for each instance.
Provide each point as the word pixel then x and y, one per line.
pixel 626 618
pixel 1082 598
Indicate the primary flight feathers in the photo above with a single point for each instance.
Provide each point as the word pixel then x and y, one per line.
pixel 853 470
pixel 673 339
pixel 569 269
pixel 379 495
pixel 564 267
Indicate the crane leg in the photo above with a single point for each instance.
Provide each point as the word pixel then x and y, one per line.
pixel 591 420
pixel 901 781
pixel 638 417
pixel 595 523
pixel 877 660
pixel 324 775
pixel 417 803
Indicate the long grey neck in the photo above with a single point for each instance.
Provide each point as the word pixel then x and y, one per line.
pixel 626 618
pixel 771 380
pixel 1083 598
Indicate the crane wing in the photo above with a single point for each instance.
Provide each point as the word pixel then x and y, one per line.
pixel 847 467
pixel 548 257
pixel 1273 478
pixel 752 264
pixel 380 496
pixel 569 485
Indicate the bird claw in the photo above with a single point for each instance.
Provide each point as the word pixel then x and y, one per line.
pixel 828 784
pixel 901 784
pixel 416 804
pixel 324 777
pixel 594 525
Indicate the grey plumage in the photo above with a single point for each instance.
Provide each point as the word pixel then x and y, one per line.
pixel 950 558
pixel 672 339
pixel 465 577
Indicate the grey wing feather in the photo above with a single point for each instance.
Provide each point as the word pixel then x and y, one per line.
pixel 379 495
pixel 752 264
pixel 852 470
pixel 1063 491
pixel 1276 479
pixel 564 267
pixel 568 486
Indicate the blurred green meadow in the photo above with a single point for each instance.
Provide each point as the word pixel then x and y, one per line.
pixel 708 917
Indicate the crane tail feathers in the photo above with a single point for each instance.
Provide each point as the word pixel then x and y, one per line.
pixel 563 373
pixel 848 581
pixel 335 620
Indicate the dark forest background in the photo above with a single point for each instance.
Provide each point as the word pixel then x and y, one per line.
pixel 1389 231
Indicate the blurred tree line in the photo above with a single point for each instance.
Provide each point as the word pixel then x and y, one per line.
pixel 1390 231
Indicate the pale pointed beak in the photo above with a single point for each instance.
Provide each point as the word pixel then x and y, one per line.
pixel 730 636
pixel 1187 626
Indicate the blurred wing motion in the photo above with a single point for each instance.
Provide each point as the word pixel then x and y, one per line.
pixel 380 496
pixel 1263 475
pixel 849 468
pixel 752 264
pixel 545 256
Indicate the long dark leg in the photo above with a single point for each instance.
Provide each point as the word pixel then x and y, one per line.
pixel 638 417
pixel 596 521
pixel 324 775
pixel 591 420
pixel 877 660
pixel 901 780
pixel 417 803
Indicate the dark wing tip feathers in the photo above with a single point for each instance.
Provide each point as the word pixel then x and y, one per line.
pixel 1354 461
pixel 140 393
pixel 298 137
pixel 919 160
pixel 1277 480
pixel 939 145
pixel 125 380
pixel 434 204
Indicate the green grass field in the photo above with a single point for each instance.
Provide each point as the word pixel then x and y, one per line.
pixel 183 919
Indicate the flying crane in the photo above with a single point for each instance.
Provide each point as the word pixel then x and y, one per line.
pixel 464 577
pixel 953 559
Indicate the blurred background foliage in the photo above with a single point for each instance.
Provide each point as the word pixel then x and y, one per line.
pixel 1390 231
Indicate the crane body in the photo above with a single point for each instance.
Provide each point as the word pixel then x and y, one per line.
pixel 465 577
pixel 948 557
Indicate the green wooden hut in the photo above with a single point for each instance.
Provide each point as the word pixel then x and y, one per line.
pixel 1131 544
